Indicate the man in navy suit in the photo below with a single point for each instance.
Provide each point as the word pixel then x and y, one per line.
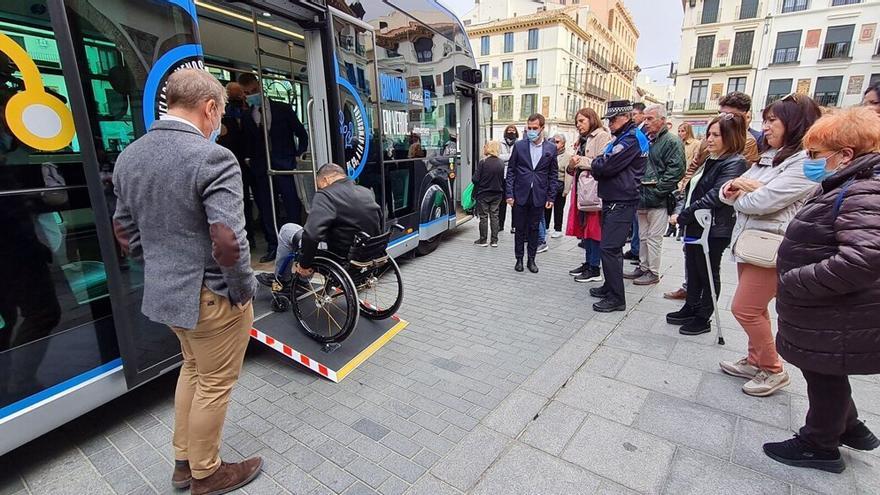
pixel 531 186
pixel 283 125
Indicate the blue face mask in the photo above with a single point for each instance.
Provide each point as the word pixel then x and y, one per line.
pixel 216 132
pixel 533 135
pixel 814 169
pixel 254 100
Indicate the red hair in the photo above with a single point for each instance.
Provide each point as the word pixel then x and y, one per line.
pixel 857 128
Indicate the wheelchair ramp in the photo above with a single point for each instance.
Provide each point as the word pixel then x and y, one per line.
pixel 283 333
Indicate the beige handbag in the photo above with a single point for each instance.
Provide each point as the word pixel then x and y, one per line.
pixel 758 248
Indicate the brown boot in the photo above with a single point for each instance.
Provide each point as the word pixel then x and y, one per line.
pixel 679 293
pixel 182 476
pixel 228 477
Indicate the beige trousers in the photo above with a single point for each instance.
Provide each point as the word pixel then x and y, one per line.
pixel 652 226
pixel 213 353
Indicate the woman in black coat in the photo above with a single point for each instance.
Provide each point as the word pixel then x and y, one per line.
pixel 829 288
pixel 726 138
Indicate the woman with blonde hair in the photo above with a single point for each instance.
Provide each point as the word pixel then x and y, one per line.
pixel 489 191
pixel 828 287
pixel 586 225
pixel 691 144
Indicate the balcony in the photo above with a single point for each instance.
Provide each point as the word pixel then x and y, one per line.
pixel 826 99
pixel 506 84
pixel 598 59
pixel 794 6
pixel 833 51
pixel 594 90
pixel 785 56
pixel 727 62
pixel 531 81
pixel 702 107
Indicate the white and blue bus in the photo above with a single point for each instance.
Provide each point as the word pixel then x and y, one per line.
pixel 380 85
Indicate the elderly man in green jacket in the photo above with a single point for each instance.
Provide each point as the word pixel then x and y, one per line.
pixel 666 164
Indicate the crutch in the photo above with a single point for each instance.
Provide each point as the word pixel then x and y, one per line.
pixel 704 218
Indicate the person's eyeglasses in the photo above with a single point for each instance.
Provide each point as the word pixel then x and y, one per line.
pixel 815 154
pixel 789 97
pixel 726 116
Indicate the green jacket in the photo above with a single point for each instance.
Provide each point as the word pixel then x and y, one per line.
pixel 666 165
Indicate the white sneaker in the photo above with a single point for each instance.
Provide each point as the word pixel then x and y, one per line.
pixel 556 235
pixel 741 368
pixel 765 383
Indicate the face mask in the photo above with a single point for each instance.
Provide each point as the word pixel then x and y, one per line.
pixel 510 136
pixel 533 135
pixel 814 169
pixel 254 100
pixel 216 132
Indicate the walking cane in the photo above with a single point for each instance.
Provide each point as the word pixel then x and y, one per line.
pixel 704 218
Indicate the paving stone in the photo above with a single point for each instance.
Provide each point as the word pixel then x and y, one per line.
pixel 512 415
pixel 606 361
pixel 702 357
pixel 333 477
pixel 657 346
pixel 426 458
pixel 620 453
pixel 107 460
pixel 603 396
pixel 143 457
pixel 688 424
pixel 866 469
pixel 370 429
pixel 694 473
pixel 81 481
pixel 303 457
pixel 124 479
pixel 725 393
pixel 393 486
pixel 464 464
pixel 612 488
pixel 368 472
pixel 524 470
pixel 556 370
pixel 748 452
pixel 337 453
pixel 661 376
pixel 126 440
pixel 400 444
pixel 359 489
pixel 296 480
pixel 402 467
pixel 430 485
pixel 370 449
pixel 554 427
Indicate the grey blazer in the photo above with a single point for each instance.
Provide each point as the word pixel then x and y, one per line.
pixel 180 210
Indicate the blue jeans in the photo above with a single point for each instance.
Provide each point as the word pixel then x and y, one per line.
pixel 288 243
pixel 542 232
pixel 593 254
pixel 634 244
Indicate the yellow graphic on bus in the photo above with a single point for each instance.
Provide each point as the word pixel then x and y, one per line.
pixel 35 117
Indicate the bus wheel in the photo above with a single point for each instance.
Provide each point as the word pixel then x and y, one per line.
pixel 429 246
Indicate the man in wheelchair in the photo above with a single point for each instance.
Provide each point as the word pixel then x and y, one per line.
pixel 339 211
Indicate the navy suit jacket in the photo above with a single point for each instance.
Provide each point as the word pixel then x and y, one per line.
pixel 282 129
pixel 528 186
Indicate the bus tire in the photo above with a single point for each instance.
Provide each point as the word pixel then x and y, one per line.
pixel 435 205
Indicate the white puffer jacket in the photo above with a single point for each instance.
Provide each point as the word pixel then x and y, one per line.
pixel 771 207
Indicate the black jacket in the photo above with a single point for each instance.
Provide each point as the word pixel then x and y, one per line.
pixel 619 171
pixel 338 213
pixel 489 178
pixel 829 292
pixel 706 195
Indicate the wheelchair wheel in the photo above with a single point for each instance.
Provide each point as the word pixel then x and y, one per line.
pixel 326 304
pixel 381 291
pixel 280 303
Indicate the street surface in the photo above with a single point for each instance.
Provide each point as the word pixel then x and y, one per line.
pixel 503 383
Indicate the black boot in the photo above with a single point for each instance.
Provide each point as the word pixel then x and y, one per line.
pixel 532 266
pixel 798 453
pixel 519 265
pixel 682 316
pixel 600 292
pixel 696 326
pixel 608 305
pixel 859 437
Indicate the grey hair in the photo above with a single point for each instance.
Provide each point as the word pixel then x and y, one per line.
pixel 330 170
pixel 658 108
pixel 188 88
pixel 561 136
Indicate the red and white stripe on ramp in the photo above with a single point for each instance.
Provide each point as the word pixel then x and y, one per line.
pixel 293 354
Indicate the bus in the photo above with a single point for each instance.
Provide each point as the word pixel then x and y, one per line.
pixel 387 88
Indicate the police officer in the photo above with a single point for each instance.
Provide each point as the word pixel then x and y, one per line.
pixel 619 172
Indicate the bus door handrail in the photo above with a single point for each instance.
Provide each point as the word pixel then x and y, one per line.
pixel 309 105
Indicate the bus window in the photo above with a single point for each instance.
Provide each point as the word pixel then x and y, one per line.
pixel 55 312
pixel 127 51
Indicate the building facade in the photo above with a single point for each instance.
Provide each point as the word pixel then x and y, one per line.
pixel 827 49
pixel 552 58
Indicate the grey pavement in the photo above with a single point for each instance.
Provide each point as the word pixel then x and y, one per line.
pixel 503 383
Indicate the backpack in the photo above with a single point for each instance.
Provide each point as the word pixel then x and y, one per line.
pixel 588 193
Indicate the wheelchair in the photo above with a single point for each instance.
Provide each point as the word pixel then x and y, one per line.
pixel 328 304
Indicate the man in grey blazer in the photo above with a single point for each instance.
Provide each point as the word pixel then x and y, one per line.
pixel 179 209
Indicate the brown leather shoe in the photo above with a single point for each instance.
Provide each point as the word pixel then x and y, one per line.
pixel 676 294
pixel 182 476
pixel 228 477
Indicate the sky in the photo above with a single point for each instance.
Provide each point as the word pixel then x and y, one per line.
pixel 659 23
